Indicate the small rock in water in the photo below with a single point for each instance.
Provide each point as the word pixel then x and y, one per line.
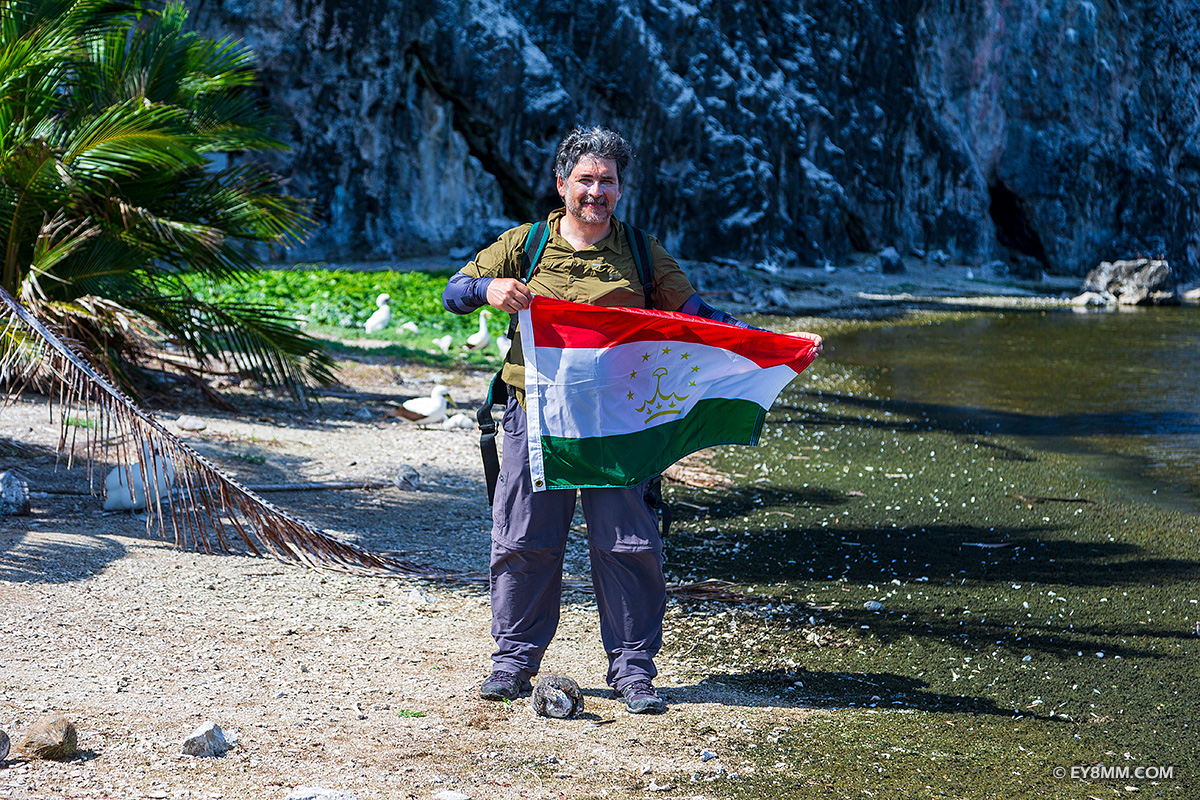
pixel 208 740
pixel 14 495
pixel 52 738
pixel 3 746
pixel 190 423
pixel 557 696
pixel 318 793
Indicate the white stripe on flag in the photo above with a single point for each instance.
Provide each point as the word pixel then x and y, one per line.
pixel 585 392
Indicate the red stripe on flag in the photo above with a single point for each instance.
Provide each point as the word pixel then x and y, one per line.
pixel 562 324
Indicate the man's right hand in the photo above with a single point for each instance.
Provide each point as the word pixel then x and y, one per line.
pixel 508 294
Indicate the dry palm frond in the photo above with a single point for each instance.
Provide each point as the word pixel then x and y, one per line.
pixel 205 506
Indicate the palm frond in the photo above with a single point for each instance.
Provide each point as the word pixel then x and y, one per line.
pixel 208 510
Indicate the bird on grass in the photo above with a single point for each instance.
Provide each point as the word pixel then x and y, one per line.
pixel 425 410
pixel 125 488
pixel 382 316
pixel 443 343
pixel 503 345
pixel 481 338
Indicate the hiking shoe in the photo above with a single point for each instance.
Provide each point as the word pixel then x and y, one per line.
pixel 640 698
pixel 503 686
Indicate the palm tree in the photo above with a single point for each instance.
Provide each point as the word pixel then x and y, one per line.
pixel 110 125
pixel 115 123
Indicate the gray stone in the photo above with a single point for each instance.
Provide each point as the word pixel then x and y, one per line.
pixel 1140 281
pixel 208 741
pixel 318 793
pixel 3 746
pixel 890 262
pixel 14 495
pixel 190 423
pixel 557 696
pixel 51 738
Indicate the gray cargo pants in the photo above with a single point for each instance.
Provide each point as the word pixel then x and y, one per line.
pixel 529 537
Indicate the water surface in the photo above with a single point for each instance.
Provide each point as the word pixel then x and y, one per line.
pixel 1121 386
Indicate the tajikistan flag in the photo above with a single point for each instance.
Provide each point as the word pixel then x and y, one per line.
pixel 616 395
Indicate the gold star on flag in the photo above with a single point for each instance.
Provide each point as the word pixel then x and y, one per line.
pixel 645 356
pixel 633 374
pixel 666 350
pixel 630 396
pixel 696 368
pixel 686 356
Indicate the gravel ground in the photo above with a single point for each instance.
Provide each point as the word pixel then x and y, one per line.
pixel 366 685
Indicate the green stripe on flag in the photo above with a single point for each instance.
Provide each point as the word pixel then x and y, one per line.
pixel 630 458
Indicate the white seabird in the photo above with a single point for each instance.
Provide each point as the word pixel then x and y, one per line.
pixel 443 343
pixel 503 344
pixel 480 339
pixel 124 486
pixel 425 410
pixel 382 316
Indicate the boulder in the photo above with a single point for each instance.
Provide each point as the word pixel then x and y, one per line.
pixel 890 262
pixel 52 738
pixel 1136 282
pixel 14 495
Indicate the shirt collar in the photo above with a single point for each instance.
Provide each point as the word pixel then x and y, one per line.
pixel 610 242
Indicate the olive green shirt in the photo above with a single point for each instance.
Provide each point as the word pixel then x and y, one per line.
pixel 603 274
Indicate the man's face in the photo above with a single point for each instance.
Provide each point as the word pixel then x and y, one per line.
pixel 592 190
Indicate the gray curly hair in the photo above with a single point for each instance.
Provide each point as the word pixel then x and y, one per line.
pixel 596 142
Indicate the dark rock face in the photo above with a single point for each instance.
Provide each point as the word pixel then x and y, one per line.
pixel 1050 135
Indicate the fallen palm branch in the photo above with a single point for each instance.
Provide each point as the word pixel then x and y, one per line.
pixel 207 509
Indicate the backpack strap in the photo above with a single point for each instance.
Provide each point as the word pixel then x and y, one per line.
pixel 531 254
pixel 639 243
pixel 535 244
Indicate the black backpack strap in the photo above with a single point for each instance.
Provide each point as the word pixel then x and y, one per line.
pixel 639 243
pixel 535 243
pixel 497 395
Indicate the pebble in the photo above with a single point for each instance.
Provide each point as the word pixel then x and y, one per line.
pixel 450 794
pixel 707 755
pixel 873 605
pixel 207 741
pixel 190 423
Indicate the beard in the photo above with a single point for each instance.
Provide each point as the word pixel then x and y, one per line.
pixel 591 213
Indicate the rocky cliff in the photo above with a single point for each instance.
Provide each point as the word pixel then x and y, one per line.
pixel 1048 134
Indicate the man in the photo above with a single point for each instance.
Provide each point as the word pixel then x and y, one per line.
pixel 588 260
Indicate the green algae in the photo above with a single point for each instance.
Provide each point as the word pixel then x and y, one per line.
pixel 964 612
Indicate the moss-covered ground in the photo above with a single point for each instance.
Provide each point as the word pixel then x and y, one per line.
pixel 966 615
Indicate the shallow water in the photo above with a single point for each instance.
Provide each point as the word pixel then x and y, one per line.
pixel 1120 386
